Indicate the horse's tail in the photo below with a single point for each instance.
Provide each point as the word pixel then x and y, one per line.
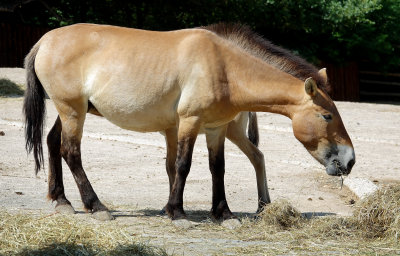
pixel 34 110
pixel 252 131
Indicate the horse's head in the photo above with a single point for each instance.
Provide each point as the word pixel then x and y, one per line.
pixel 318 126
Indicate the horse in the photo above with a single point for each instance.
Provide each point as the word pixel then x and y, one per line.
pixel 180 82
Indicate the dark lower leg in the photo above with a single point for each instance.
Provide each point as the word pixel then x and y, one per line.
pixel 263 195
pixel 174 207
pixel 70 151
pixel 220 208
pixel 56 186
pixel 171 141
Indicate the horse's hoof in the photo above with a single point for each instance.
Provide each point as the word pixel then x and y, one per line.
pixel 102 215
pixel 184 223
pixel 65 209
pixel 231 223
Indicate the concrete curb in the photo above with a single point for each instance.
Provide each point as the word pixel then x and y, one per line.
pixel 360 186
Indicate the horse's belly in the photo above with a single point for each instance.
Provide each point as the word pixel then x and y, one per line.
pixel 137 115
pixel 141 121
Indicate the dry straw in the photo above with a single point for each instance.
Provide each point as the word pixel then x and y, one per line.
pixel 378 215
pixel 374 228
pixel 66 235
pixel 281 214
pixel 376 218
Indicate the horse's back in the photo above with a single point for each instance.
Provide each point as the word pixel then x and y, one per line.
pixel 129 75
pixel 139 80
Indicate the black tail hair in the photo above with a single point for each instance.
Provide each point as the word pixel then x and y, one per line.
pixel 252 131
pixel 34 110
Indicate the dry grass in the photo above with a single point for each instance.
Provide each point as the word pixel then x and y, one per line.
pixel 8 88
pixel 374 228
pixel 280 229
pixel 375 217
pixel 378 216
pixel 64 235
pixel 281 215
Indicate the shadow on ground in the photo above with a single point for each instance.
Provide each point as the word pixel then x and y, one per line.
pixel 310 215
pixel 196 216
pixel 201 215
pixel 82 249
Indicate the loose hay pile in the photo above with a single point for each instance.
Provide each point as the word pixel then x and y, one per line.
pixel 373 229
pixel 377 216
pixel 66 235
pixel 281 214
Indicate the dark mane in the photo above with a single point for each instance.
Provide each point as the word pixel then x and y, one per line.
pixel 259 47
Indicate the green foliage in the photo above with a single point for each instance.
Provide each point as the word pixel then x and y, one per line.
pixel 330 30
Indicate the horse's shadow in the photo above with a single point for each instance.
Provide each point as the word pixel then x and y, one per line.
pixel 310 215
pixel 204 216
pixel 198 215
pixel 192 215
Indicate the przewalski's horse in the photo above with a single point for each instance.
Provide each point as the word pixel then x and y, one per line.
pixel 189 80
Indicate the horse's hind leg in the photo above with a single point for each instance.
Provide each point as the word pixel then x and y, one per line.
pixel 215 144
pixel 237 134
pixel 72 119
pixel 56 187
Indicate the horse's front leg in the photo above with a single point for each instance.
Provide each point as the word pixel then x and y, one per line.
pixel 187 134
pixel 215 144
pixel 236 133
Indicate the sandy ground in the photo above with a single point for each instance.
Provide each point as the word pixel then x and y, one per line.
pixel 127 170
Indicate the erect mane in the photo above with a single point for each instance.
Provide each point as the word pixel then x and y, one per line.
pixel 256 45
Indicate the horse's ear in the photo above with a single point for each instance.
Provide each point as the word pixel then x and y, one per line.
pixel 310 87
pixel 322 73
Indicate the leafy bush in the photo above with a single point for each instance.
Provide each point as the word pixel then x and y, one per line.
pixel 335 31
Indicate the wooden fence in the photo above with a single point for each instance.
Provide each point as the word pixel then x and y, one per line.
pixel 15 42
pixel 344 80
pixel 379 87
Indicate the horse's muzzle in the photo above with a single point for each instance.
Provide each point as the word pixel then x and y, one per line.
pixel 340 161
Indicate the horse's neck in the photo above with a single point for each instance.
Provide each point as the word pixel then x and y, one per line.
pixel 258 86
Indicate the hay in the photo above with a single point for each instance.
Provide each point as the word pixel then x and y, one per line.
pixel 280 229
pixel 331 227
pixel 65 235
pixel 9 88
pixel 375 217
pixel 379 214
pixel 281 214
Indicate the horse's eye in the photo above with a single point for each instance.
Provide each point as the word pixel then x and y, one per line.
pixel 327 117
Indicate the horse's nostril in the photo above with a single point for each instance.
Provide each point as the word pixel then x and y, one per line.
pixel 350 165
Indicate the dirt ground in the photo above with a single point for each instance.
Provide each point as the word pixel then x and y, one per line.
pixel 128 174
